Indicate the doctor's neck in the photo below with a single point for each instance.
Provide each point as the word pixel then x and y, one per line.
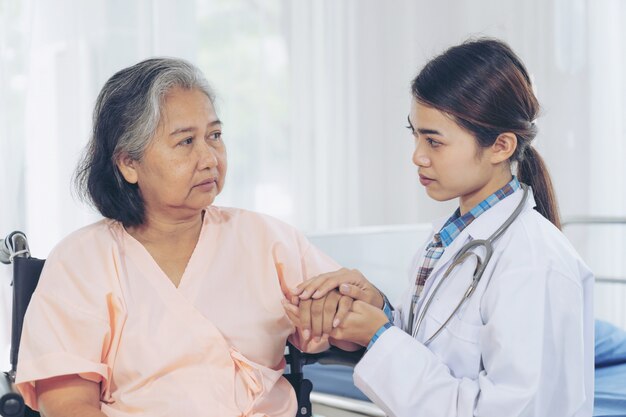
pixel 472 199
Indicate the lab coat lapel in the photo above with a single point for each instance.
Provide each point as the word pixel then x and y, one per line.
pixel 436 274
pixel 481 228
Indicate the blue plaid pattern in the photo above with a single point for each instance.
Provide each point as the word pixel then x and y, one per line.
pixel 434 250
pixel 453 227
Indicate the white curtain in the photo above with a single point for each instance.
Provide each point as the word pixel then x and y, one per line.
pixel 606 246
pixel 314 95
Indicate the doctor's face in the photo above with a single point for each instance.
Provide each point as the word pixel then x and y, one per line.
pixel 449 161
pixel 183 168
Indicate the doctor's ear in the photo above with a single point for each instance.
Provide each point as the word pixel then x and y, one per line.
pixel 503 147
pixel 126 165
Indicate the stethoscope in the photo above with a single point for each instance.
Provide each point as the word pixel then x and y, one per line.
pixel 464 253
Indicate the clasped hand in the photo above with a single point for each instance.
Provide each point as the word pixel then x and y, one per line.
pixel 341 306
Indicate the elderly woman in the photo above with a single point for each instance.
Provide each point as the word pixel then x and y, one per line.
pixel 169 306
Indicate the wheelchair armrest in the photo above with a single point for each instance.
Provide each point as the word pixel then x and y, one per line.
pixel 11 402
pixel 335 356
pixel 297 359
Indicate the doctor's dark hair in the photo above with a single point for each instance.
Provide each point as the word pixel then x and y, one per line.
pixel 485 87
pixel 125 119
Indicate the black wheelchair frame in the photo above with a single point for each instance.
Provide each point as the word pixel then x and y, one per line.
pixel 14 250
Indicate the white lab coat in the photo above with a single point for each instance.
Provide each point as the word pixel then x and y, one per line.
pixel 521 346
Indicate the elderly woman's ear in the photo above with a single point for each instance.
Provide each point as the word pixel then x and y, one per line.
pixel 126 165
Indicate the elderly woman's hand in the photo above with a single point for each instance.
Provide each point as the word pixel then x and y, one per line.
pixel 318 317
pixel 325 300
pixel 359 320
pixel 315 319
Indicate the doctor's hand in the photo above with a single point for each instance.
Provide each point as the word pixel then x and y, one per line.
pixel 314 319
pixel 350 282
pixel 360 324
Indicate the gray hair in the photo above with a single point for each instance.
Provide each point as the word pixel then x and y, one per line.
pixel 125 119
pixel 144 109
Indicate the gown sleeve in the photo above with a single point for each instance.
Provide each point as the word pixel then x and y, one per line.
pixel 71 321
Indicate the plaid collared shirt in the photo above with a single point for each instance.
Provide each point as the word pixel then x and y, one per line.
pixel 453 227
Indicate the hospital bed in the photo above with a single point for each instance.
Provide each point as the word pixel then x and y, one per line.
pixel 382 254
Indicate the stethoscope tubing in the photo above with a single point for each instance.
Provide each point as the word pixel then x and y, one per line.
pixel 464 253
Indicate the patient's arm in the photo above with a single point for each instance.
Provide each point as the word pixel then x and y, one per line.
pixel 68 396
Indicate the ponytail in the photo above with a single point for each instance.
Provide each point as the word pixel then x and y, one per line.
pixel 486 88
pixel 533 172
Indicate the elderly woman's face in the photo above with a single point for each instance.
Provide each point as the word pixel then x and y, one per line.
pixel 183 168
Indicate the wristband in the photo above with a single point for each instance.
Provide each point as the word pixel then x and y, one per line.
pixel 379 333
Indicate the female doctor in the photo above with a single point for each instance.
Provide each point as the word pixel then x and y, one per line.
pixel 497 320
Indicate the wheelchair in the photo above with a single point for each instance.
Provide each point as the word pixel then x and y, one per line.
pixel 14 250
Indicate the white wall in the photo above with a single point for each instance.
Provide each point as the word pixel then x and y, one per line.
pixel 314 96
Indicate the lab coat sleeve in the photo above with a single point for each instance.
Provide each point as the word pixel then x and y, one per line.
pixel 403 378
pixel 529 317
pixel 398 317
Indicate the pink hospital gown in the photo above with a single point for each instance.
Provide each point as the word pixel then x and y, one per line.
pixel 214 346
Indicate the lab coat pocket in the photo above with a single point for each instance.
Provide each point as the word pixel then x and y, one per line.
pixel 458 344
pixel 456 328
